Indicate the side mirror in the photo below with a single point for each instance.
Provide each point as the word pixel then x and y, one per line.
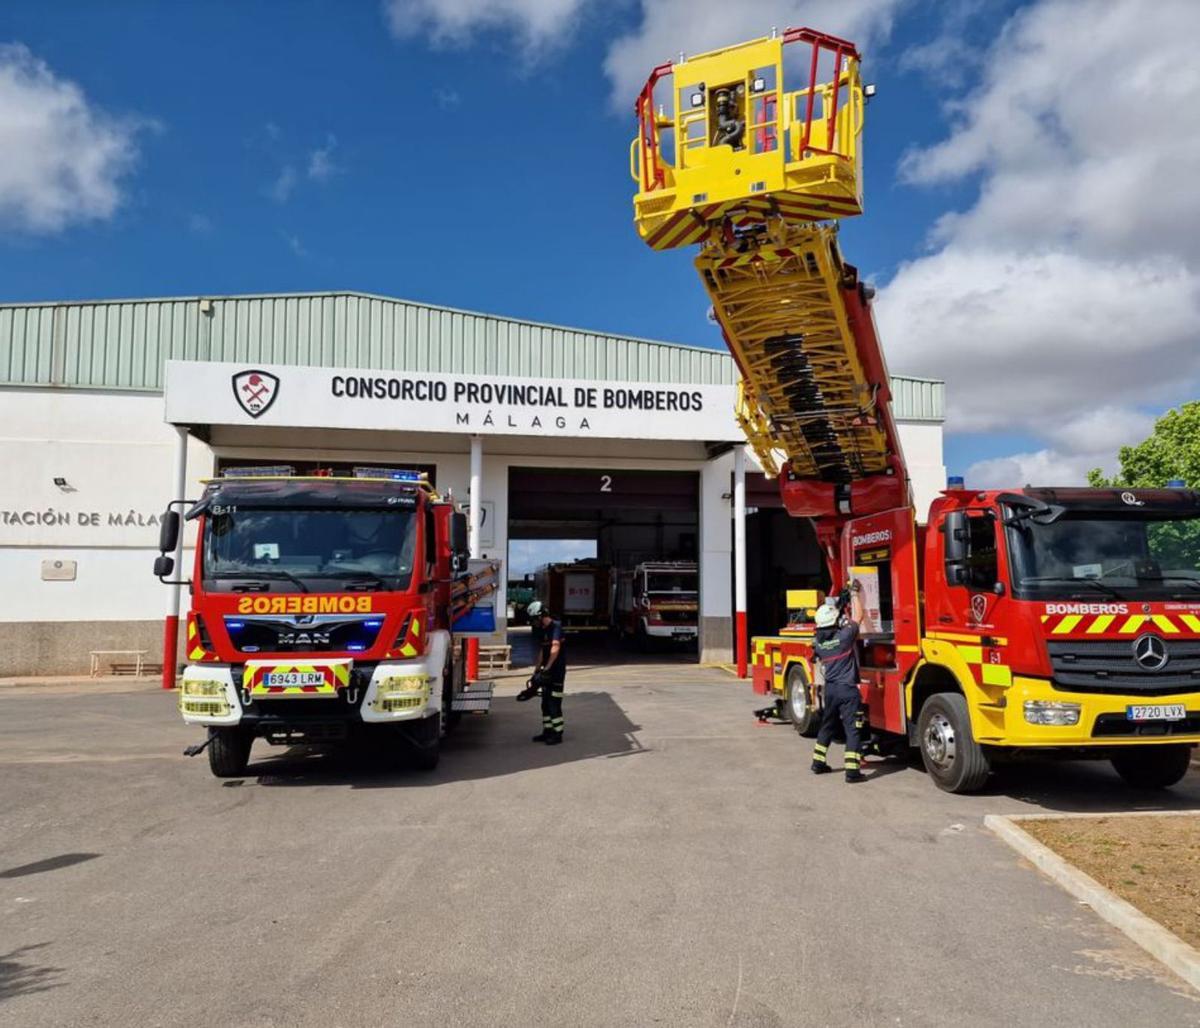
pixel 458 535
pixel 168 532
pixel 954 529
pixel 164 565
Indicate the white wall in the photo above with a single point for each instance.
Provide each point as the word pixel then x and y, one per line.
pixel 922 443
pixel 117 456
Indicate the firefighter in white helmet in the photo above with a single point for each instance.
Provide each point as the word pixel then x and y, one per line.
pixel 835 644
pixel 550 675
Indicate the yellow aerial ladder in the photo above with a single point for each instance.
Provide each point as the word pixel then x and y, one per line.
pixel 758 175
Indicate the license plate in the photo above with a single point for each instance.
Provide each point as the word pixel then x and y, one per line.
pixel 1156 712
pixel 291 679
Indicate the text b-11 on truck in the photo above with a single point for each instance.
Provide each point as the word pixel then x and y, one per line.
pixel 328 609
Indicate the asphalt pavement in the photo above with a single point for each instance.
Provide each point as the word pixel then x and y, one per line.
pixel 672 863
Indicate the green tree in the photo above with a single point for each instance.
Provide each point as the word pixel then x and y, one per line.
pixel 1172 451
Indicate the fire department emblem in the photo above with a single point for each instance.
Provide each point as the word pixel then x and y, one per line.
pixel 255 391
pixel 978 607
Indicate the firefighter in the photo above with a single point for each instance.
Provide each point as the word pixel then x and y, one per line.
pixel 551 672
pixel 835 644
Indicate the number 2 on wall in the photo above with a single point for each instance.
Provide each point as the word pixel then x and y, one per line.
pixel 606 483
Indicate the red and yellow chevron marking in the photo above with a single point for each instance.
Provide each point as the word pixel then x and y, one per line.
pixel 195 648
pixel 1120 624
pixel 410 645
pixel 986 664
pixel 336 675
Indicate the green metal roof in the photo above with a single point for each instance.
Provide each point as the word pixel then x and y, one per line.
pixel 123 344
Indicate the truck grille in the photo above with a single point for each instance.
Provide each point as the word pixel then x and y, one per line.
pixel 674 617
pixel 313 634
pixel 1107 665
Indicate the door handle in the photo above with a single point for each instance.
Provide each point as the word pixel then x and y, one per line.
pixel 945 619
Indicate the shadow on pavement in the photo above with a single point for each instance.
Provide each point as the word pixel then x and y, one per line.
pixel 21 978
pixel 1085 786
pixel 49 864
pixel 488 746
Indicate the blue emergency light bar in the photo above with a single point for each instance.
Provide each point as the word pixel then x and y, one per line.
pixel 395 474
pixel 262 471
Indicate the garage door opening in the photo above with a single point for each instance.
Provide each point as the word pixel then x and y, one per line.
pixel 627 518
pixel 781 554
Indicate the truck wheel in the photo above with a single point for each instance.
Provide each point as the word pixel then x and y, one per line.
pixel 1153 767
pixel 954 760
pixel 425 743
pixel 229 752
pixel 798 706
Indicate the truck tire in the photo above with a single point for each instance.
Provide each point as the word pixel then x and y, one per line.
pixel 952 757
pixel 229 752
pixel 1153 767
pixel 798 706
pixel 425 743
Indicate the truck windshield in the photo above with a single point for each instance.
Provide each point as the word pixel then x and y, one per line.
pixel 670 583
pixel 1089 554
pixel 309 550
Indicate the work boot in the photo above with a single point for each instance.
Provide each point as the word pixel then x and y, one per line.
pixel 542 737
pixel 819 767
pixel 553 738
pixel 855 776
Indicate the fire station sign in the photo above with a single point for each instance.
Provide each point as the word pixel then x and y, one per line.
pixel 206 393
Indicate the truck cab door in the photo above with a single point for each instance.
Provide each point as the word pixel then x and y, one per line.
pixel 971 564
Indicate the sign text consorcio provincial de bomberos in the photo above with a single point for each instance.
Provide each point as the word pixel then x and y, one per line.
pixel 423 390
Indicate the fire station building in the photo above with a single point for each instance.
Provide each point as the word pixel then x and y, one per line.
pixel 556 433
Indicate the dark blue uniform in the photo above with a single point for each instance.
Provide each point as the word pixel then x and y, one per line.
pixel 555 681
pixel 837 649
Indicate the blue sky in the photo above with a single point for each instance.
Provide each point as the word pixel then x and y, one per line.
pixel 475 154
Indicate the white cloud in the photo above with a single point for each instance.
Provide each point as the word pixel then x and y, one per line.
pixel 664 27
pixel 321 166
pixel 294 244
pixel 535 23
pixel 1066 298
pixel 281 189
pixel 62 159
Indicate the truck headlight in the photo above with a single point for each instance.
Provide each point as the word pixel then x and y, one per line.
pixel 399 693
pixel 203 687
pixel 1051 712
pixel 404 685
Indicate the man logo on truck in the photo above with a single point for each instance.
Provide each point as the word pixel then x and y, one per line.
pixel 255 391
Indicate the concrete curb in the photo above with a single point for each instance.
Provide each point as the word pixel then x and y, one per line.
pixel 1161 944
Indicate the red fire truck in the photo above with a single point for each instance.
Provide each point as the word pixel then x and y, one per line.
pixel 327 609
pixel 1061 621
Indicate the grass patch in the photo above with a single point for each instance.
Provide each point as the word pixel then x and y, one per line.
pixel 1152 862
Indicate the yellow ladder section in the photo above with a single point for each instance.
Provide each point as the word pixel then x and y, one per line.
pixel 805 396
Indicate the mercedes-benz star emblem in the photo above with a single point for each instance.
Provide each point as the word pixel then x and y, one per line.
pixel 1150 652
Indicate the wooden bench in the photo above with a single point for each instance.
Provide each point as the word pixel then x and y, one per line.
pixel 494 658
pixel 135 667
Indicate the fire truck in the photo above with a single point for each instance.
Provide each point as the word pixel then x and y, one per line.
pixel 658 600
pixel 327 610
pixel 578 593
pixel 1026 621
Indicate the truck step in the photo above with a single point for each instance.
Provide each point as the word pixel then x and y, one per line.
pixel 476 698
